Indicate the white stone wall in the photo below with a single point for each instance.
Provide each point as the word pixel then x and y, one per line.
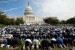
pixel 32 20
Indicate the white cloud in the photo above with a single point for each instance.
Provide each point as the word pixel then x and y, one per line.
pixel 14 8
pixel 63 9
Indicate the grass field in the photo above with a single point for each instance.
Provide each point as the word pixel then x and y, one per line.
pixel 40 49
pixel 3 48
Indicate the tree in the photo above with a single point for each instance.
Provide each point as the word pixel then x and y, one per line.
pixel 63 22
pixel 19 21
pixel 51 21
pixel 9 21
pixel 2 17
pixel 71 21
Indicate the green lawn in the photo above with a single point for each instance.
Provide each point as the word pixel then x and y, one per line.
pixel 61 48
pixel 39 49
pixel 3 48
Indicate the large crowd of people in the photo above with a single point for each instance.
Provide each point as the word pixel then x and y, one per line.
pixel 35 37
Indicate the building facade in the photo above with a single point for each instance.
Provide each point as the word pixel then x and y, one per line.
pixel 29 17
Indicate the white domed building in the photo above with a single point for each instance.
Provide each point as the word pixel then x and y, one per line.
pixel 29 17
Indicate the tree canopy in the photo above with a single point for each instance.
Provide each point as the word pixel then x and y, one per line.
pixel 56 21
pixel 71 21
pixel 51 21
pixel 5 20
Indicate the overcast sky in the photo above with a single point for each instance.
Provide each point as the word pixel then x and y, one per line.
pixel 63 9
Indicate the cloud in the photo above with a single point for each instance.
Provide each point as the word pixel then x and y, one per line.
pixel 13 9
pixel 63 9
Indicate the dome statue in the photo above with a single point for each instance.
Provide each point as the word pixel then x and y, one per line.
pixel 29 17
pixel 28 10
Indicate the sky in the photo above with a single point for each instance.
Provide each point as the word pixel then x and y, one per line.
pixel 62 9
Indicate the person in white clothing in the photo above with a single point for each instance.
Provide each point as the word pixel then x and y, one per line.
pixel 36 44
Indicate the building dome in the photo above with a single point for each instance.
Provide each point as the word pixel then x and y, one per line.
pixel 29 17
pixel 28 10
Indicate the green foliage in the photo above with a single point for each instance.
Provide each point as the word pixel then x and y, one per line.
pixel 51 21
pixel 71 21
pixel 56 21
pixel 19 21
pixel 2 17
pixel 4 20
pixel 63 22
